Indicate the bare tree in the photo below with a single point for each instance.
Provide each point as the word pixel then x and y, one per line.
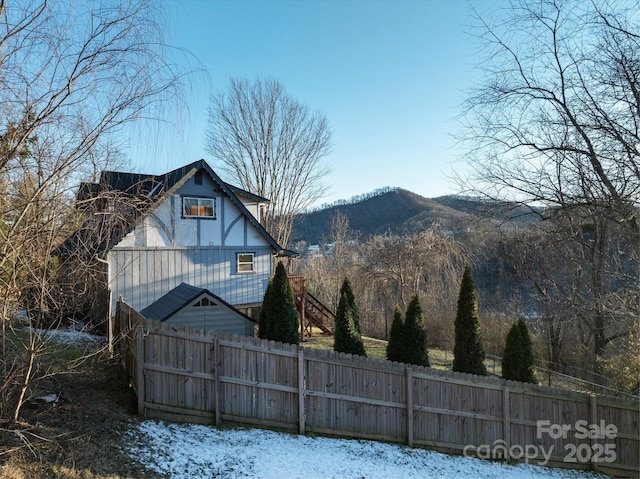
pixel 271 145
pixel 342 253
pixel 72 76
pixel 425 263
pixel 555 126
pixel 556 120
pixel 336 260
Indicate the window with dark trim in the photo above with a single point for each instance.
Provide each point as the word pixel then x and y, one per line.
pixel 245 263
pixel 198 207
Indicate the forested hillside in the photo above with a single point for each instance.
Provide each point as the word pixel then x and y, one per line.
pixel 398 211
pixel 391 210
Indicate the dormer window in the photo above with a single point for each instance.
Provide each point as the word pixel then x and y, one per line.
pixel 199 207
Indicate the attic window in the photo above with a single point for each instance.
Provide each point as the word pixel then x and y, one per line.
pixel 199 207
pixel 245 263
pixel 198 178
pixel 204 302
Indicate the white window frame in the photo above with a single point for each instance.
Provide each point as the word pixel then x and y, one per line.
pixel 241 264
pixel 200 204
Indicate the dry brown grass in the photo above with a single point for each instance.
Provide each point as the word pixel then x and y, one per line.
pixel 84 435
pixel 377 348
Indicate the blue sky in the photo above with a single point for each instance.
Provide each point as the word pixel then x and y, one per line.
pixel 389 75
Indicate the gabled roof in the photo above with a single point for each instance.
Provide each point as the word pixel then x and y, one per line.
pixel 180 297
pixel 149 190
pixel 240 192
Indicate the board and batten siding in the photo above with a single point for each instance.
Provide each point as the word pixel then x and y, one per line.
pixel 216 317
pixel 145 274
pixel 166 249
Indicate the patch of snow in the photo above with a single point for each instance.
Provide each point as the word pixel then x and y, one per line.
pixel 21 315
pixel 185 451
pixel 49 398
pixel 71 337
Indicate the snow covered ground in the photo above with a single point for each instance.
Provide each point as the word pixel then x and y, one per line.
pixel 72 337
pixel 69 336
pixel 182 451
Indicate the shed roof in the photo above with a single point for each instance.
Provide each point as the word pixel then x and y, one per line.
pixel 180 297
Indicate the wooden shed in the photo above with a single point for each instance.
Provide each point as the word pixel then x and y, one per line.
pixel 199 308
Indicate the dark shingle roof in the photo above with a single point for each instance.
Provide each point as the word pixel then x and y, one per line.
pixel 178 298
pixel 239 191
pixel 99 234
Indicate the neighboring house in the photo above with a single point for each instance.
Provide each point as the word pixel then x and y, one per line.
pixel 187 305
pixel 147 234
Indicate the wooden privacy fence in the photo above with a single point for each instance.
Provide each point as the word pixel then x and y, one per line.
pixel 188 375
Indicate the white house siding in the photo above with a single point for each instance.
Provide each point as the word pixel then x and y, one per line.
pixel 251 205
pixel 165 227
pixel 157 226
pixel 253 208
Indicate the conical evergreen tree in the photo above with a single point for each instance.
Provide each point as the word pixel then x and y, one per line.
pixel 528 367
pixel 415 336
pixel 512 358
pixel 351 300
pixel 468 353
pixel 395 346
pixel 346 338
pixel 279 317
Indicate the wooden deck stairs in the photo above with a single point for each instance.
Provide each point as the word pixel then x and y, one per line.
pixel 311 310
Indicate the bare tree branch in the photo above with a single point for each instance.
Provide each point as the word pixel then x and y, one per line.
pixel 271 145
pixel 555 124
pixel 72 75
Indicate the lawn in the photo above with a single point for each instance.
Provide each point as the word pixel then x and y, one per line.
pixel 377 348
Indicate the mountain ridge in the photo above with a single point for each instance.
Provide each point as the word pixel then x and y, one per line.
pixel 400 211
pixel 388 210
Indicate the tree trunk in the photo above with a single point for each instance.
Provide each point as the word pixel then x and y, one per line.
pixel 25 382
pixel 598 261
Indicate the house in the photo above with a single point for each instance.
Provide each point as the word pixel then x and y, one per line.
pixel 187 305
pixel 144 235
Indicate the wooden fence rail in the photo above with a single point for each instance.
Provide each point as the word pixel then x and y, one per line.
pixel 188 375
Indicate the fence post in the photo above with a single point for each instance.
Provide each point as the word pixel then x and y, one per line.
pixel 301 401
pixel 116 329
pixel 303 308
pixel 409 377
pixel 110 327
pixel 593 419
pixel 216 380
pixel 111 330
pixel 506 423
pixel 140 369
